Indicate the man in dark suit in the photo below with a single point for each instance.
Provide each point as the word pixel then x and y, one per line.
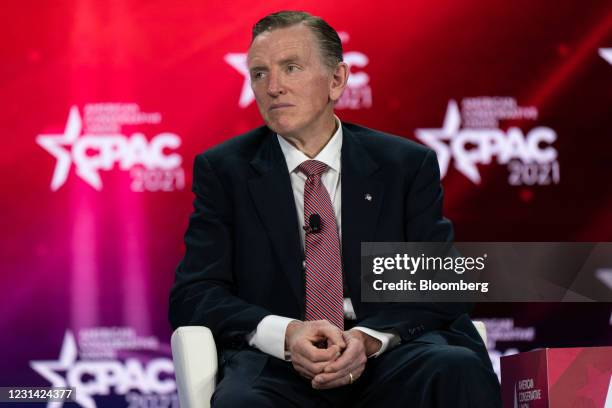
pixel 272 264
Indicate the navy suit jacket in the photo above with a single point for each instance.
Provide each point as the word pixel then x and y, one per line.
pixel 244 256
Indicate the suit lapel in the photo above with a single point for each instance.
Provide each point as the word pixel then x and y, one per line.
pixel 362 196
pixel 273 197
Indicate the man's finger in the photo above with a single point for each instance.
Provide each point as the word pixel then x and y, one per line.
pixel 316 355
pixel 312 368
pixel 332 333
pixel 352 352
pixel 342 362
pixel 339 380
pixel 302 371
pixel 325 379
pixel 308 359
pixel 352 361
pixel 356 366
pixel 311 359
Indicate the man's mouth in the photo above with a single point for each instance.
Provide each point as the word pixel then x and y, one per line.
pixel 280 106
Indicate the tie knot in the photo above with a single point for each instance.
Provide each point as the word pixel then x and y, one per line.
pixel 312 168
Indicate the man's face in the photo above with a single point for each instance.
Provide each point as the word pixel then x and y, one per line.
pixel 290 81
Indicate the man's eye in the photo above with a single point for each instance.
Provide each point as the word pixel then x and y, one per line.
pixel 292 68
pixel 257 75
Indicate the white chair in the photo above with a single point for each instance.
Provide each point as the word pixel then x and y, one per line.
pixel 195 363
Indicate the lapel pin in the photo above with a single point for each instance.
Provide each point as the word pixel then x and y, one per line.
pixel 368 197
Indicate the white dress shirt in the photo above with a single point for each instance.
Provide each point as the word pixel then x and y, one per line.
pixel 269 336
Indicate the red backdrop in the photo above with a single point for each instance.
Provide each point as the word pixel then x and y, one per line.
pixel 105 104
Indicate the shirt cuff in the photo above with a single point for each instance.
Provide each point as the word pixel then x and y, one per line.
pixel 269 336
pixel 388 339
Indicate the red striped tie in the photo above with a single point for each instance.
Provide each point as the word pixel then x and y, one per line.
pixel 324 296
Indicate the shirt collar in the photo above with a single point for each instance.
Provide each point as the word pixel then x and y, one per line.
pixel 330 155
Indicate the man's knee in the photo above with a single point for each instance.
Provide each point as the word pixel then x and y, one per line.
pixel 239 397
pixel 461 372
pixel 459 368
pixel 458 363
pixel 446 362
pixel 434 375
pixel 455 359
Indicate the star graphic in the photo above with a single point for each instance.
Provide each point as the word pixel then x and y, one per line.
pixel 435 138
pixel 59 146
pixel 606 53
pixel 48 369
pixel 442 141
pixel 238 61
pixel 53 143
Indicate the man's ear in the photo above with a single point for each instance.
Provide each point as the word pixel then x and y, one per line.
pixel 338 82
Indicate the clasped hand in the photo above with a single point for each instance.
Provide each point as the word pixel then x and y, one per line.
pixel 325 355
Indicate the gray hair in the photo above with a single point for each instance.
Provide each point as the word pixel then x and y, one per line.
pixel 328 39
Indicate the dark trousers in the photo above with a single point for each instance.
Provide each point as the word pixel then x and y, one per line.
pixel 427 372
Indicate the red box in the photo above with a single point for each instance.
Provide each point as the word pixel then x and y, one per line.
pixel 558 378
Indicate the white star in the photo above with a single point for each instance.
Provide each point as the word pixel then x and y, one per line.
pixel 239 62
pixel 448 140
pixel 67 358
pixel 60 147
pixel 53 144
pixel 433 137
pixel 606 53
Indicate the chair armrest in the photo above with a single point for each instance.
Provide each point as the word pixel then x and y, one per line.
pixel 195 364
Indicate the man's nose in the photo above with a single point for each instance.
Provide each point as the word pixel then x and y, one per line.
pixel 275 85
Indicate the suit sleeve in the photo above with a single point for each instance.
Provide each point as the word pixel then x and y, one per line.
pixel 423 223
pixel 204 291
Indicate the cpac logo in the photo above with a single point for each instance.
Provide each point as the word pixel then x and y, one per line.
pixel 102 375
pixel 357 94
pixel 91 153
pixel 470 147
